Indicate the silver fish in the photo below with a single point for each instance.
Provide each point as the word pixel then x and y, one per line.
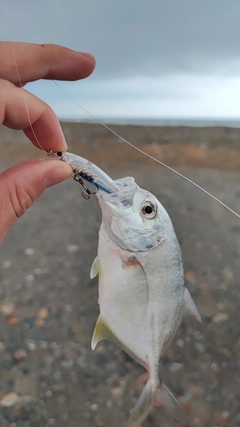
pixel 142 297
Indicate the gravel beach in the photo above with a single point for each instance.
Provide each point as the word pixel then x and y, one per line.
pixel 48 305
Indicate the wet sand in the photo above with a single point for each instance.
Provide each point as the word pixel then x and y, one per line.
pixel 48 305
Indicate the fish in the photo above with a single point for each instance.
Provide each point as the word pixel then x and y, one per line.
pixel 142 296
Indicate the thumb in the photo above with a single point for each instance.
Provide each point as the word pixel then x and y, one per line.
pixel 23 183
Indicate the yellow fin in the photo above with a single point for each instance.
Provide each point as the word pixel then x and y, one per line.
pixel 95 268
pixel 103 332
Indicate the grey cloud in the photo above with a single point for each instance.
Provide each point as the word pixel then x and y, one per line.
pixel 135 38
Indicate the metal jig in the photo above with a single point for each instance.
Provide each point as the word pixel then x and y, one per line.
pixel 86 193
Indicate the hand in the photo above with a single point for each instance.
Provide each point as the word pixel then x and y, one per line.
pixel 22 184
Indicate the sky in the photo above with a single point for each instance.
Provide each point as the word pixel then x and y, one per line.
pixel 155 58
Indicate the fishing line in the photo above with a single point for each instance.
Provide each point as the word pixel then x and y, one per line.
pixel 25 100
pixel 149 155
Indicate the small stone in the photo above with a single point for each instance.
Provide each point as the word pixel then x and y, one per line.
pixel 38 271
pixel 29 251
pixel 7 309
pixel 9 399
pixel 109 404
pixel 19 354
pixel 226 352
pixel 72 248
pixel 6 264
pixel 49 393
pixel 68 308
pixel 220 317
pixel 175 367
pixel 189 276
pixel 228 275
pixel 30 278
pixel 200 347
pixel 31 345
pixel 116 392
pixel 180 343
pixel 43 313
pixel 2 346
pixel 94 407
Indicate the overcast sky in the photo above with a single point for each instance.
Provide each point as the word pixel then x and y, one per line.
pixel 155 58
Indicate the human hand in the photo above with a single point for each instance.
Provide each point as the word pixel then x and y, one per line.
pixel 23 183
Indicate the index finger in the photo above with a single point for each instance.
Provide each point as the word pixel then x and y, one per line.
pixel 42 61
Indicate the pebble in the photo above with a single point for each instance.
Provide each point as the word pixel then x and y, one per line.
pixel 31 345
pixel 2 346
pixel 200 347
pixel 72 248
pixel 189 276
pixel 94 407
pixel 43 313
pixel 6 264
pixel 9 399
pixel 228 275
pixel 180 343
pixel 220 317
pixel 29 251
pixel 175 367
pixel 19 354
pixel 109 404
pixel 30 278
pixel 116 392
pixel 38 271
pixel 7 309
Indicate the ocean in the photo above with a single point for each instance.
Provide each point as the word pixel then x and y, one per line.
pixel 192 122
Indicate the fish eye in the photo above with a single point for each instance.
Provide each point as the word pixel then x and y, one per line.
pixel 149 210
pixel 59 153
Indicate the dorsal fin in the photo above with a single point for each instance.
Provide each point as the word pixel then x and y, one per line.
pixel 189 307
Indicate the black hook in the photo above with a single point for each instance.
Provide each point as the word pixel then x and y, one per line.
pixel 86 193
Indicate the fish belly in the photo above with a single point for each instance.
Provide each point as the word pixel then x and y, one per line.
pixel 137 301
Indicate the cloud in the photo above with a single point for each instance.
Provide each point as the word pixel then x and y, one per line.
pixel 155 57
pixel 132 37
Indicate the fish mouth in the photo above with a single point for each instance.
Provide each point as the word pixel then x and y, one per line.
pixel 123 197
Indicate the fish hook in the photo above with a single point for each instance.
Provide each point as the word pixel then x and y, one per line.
pixel 86 193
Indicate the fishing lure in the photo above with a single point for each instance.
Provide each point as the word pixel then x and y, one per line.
pixel 142 297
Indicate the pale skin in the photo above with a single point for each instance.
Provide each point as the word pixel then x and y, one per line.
pixel 23 183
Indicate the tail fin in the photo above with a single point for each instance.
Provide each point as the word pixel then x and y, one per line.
pixel 142 408
pixel 163 398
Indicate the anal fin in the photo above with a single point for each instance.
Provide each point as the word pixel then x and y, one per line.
pixel 103 331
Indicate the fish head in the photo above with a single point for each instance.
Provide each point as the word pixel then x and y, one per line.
pixel 133 218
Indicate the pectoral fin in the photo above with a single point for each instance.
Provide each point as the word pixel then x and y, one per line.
pixel 189 308
pixel 95 268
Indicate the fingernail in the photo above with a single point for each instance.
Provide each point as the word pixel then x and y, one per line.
pixel 87 55
pixel 58 174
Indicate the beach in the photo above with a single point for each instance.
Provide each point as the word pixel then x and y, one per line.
pixel 49 305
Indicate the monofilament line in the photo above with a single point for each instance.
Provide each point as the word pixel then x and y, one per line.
pixel 25 100
pixel 149 155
